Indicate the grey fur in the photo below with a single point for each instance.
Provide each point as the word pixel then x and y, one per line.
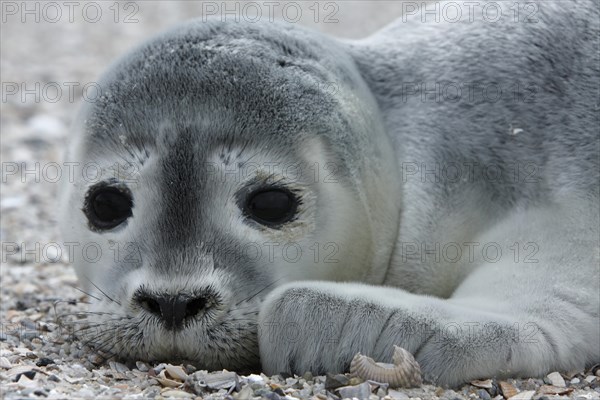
pixel 240 92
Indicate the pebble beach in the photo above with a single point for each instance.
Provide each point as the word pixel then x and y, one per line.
pixel 46 69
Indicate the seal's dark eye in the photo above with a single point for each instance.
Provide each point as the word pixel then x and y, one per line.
pixel 271 207
pixel 107 207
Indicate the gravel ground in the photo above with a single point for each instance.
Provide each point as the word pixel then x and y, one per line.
pixel 40 312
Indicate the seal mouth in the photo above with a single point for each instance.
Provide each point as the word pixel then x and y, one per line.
pixel 209 340
pixel 208 319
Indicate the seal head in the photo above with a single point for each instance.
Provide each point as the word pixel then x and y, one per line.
pixel 220 161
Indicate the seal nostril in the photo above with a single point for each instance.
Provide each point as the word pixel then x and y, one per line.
pixel 149 304
pixel 195 306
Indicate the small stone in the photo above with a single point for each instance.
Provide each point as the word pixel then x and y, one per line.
pixel 117 366
pixel 85 394
pixel 96 359
pixel 72 380
pixel 362 391
pixel 253 378
pixel 245 393
pixel 44 361
pixel 590 378
pixel 570 374
pixel 158 368
pixel 308 376
pixel 556 379
pixel 29 335
pixel 396 395
pixel 28 374
pixel 36 317
pixel 12 202
pixel 276 388
pixel 378 385
pixel 355 380
pixel 4 363
pixel 333 382
pixel 507 389
pixel 526 395
pixel 262 392
pixel 46 126
pixel 23 288
pixel 28 323
pixel 150 392
pixel 530 384
pixel 291 381
pixel 271 396
pixel 495 390
pixel 483 394
pixel 549 389
pixel 142 366
pixel 575 381
pixel 176 393
pixel 190 369
pixel 25 381
pixel 485 384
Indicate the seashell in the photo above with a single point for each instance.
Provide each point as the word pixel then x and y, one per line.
pixel 404 372
pixel 201 380
pixel 162 378
pixel 176 372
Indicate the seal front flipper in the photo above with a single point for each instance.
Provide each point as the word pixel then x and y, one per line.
pixel 510 317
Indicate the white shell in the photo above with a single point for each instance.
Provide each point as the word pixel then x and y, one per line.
pixel 405 372
pixel 176 372
pixel 162 378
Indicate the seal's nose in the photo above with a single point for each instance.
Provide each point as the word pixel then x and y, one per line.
pixel 172 310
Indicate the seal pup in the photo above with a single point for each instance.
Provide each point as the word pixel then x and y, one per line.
pixel 464 230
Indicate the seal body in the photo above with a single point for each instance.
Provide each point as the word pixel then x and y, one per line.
pixel 271 188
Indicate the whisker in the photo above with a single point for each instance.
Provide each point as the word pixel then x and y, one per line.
pixel 84 292
pixel 101 291
pixel 259 292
